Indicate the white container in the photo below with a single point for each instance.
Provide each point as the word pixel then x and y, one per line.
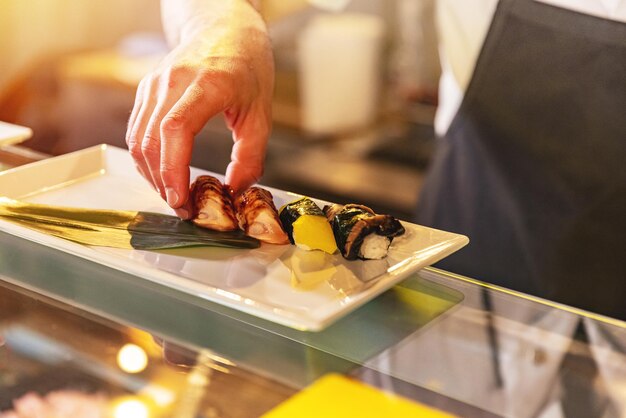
pixel 339 58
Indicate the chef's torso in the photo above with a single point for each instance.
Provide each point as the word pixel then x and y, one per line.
pixel 462 27
pixel 531 162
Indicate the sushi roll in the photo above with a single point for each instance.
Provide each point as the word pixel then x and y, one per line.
pixel 258 216
pixel 307 227
pixel 212 204
pixel 361 233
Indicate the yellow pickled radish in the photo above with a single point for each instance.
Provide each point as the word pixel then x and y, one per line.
pixel 313 232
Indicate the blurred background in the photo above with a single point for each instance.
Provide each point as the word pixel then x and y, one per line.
pixel 346 130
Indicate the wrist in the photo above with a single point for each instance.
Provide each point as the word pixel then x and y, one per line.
pixel 239 22
pixel 185 18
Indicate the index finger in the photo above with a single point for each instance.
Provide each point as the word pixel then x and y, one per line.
pixel 178 129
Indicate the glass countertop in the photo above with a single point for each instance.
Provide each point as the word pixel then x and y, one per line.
pixel 101 338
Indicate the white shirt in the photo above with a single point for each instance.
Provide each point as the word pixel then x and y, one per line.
pixel 463 25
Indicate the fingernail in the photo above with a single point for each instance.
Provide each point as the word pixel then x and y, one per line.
pixel 172 196
pixel 183 214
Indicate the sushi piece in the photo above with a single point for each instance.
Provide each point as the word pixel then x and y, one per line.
pixel 212 204
pixel 361 233
pixel 258 216
pixel 307 227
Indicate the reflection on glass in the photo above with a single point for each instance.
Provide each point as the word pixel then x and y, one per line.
pixel 131 408
pixel 309 270
pixel 132 359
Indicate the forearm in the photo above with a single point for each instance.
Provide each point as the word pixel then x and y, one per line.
pixel 181 17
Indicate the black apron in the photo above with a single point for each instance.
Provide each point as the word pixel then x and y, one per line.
pixel 533 167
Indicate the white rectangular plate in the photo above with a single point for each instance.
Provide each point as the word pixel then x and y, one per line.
pixel 307 290
pixel 13 134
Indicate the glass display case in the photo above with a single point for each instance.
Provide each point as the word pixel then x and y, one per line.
pixel 81 339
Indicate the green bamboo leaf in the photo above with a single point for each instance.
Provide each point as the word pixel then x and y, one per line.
pixel 104 237
pixel 121 229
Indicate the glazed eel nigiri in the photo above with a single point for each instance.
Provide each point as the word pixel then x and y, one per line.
pixel 361 233
pixel 212 204
pixel 258 216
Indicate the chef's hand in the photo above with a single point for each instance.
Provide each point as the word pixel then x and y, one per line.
pixel 222 63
